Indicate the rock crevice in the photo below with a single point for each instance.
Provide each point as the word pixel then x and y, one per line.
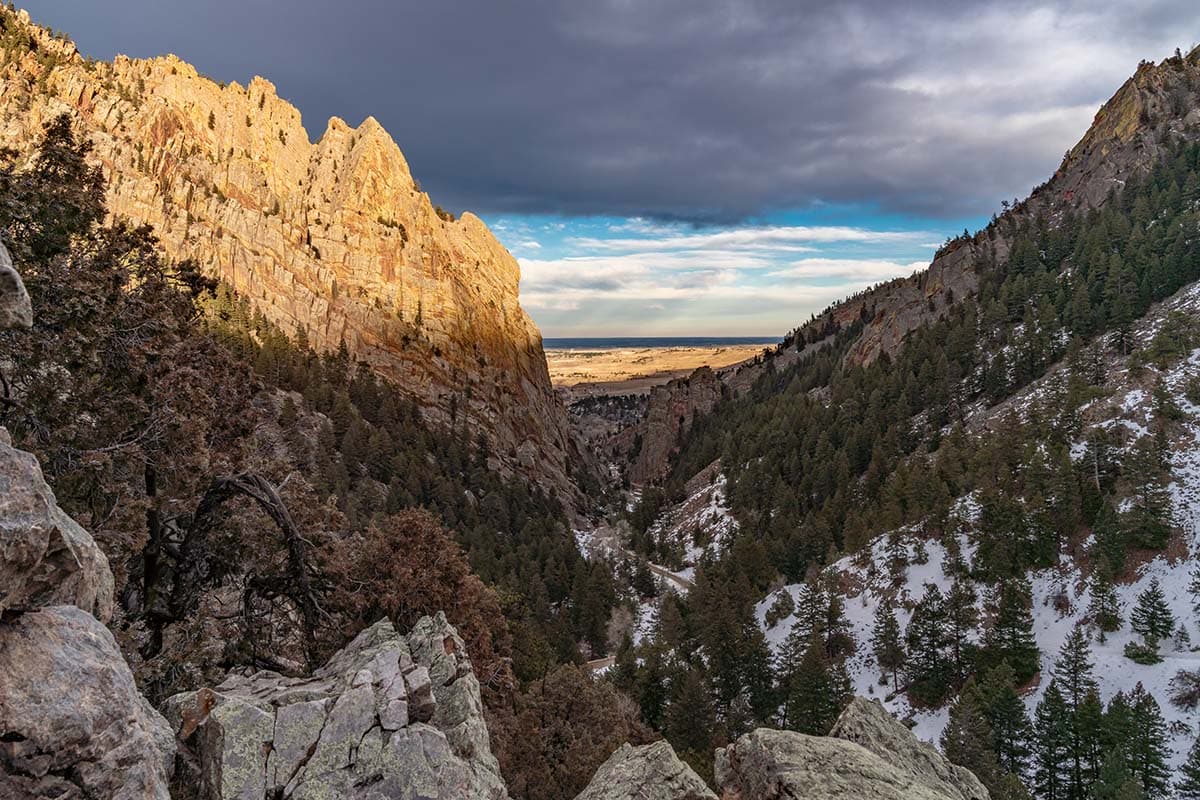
pixel 388 716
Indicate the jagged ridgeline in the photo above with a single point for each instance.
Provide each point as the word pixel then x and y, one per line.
pixel 334 238
pixel 142 382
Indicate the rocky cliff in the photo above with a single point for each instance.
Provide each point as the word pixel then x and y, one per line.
pixel 670 410
pixel 334 239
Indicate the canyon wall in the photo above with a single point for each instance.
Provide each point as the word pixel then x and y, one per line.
pixel 334 239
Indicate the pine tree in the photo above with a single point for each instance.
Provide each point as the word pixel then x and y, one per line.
pixel 966 739
pixel 1051 751
pixel 625 667
pixel 897 557
pixel 1149 520
pixel 757 675
pixel 1115 781
pixel 1182 639
pixel 961 619
pixel 811 612
pixel 1105 607
pixel 926 641
pixel 817 692
pixel 1011 635
pixel 886 644
pixel 1109 548
pixel 1148 746
pixel 1012 731
pixel 1188 785
pixel 1073 675
pixel 689 716
pixel 1152 617
pixel 839 641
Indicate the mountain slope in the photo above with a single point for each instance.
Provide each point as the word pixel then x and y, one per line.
pixel 1154 107
pixel 1019 422
pixel 332 239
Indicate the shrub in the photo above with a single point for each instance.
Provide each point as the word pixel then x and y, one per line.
pixel 1144 653
pixel 781 609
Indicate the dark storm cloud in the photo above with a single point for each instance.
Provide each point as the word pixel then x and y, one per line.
pixel 694 109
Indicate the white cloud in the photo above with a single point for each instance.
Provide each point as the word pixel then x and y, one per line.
pixel 849 268
pixel 753 238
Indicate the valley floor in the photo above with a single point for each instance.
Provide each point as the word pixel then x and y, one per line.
pixel 635 370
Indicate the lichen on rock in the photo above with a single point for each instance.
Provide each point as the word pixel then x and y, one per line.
pixel 385 717
pixel 868 754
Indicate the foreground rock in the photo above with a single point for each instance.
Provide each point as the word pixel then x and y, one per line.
pixel 650 772
pixel 868 755
pixel 72 724
pixel 869 724
pixel 45 557
pixel 15 308
pixel 385 718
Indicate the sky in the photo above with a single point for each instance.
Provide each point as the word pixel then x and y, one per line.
pixel 684 167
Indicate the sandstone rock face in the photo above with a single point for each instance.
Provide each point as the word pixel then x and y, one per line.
pixel 868 755
pixel 669 412
pixel 45 557
pixel 72 724
pixel 386 717
pixel 333 238
pixel 649 772
pixel 15 308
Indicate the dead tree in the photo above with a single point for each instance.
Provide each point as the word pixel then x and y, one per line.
pixel 193 558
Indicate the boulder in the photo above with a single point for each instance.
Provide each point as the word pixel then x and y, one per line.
pixel 45 557
pixel 649 772
pixel 869 755
pixel 15 309
pixel 386 717
pixel 868 723
pixel 72 724
pixel 457 706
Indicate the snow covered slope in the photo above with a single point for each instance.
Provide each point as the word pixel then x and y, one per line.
pixel 1060 595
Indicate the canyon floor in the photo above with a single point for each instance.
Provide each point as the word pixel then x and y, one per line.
pixel 635 370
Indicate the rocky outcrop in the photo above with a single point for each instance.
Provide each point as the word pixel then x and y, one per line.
pixel 649 772
pixel 869 754
pixel 386 717
pixel 72 724
pixel 867 723
pixel 670 410
pixel 45 557
pixel 15 308
pixel 334 239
